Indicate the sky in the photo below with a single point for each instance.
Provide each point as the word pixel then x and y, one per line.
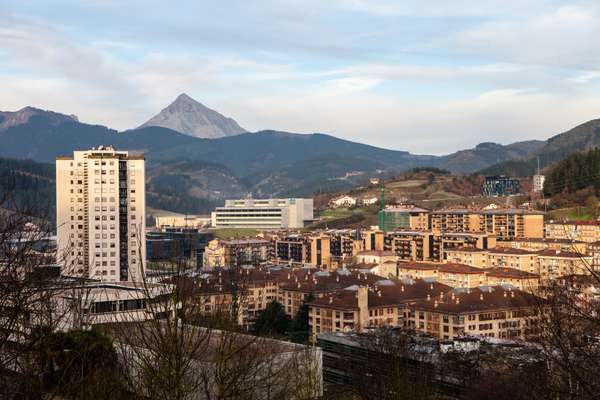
pixel 429 77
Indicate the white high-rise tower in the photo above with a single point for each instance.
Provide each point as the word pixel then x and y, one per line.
pixel 100 214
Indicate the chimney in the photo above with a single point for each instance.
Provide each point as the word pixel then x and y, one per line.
pixel 363 306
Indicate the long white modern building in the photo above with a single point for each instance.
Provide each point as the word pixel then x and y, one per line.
pixel 263 214
pixel 100 214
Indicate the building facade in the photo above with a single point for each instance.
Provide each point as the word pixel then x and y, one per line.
pixel 500 186
pixel 404 218
pixel 100 214
pixel 263 214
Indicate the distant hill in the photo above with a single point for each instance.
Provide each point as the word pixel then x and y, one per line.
pixel 188 116
pixel 27 186
pixel 486 154
pixel 581 138
pixel 575 172
pixel 190 174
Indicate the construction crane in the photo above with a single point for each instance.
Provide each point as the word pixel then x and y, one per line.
pixel 381 205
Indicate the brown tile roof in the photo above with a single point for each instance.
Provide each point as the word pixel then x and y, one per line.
pixel 423 266
pixel 512 211
pixel 501 272
pixel 511 251
pixel 322 282
pixel 559 254
pixel 457 268
pixel 589 223
pixel 490 298
pixel 394 293
pixel 467 249
pixel 379 253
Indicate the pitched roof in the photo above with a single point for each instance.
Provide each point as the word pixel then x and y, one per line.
pixel 502 272
pixel 486 298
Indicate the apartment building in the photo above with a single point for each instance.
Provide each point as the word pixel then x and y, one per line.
pixel 314 250
pixel 535 244
pixel 522 280
pixel 585 231
pixel 406 217
pixel 450 274
pixel 548 263
pixel 409 245
pixel 263 214
pixel 489 311
pixel 455 220
pixel 466 276
pixel 383 303
pixel 299 285
pixel 418 270
pixel 225 253
pixel 430 246
pixel 508 224
pixel 513 258
pixel 461 275
pixel 538 183
pixel 468 255
pixel 344 244
pixel 444 242
pixel 374 239
pixel 100 214
pixel 556 263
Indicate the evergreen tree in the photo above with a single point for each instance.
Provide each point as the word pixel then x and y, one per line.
pixel 299 331
pixel 272 321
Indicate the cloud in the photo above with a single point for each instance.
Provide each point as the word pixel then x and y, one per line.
pixel 429 77
pixel 562 37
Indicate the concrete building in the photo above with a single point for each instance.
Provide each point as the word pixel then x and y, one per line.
pixel 486 311
pixel 585 231
pixel 406 217
pixel 455 220
pixel 225 253
pixel 500 186
pixel 181 221
pixel 510 276
pixel 263 214
pixel 429 246
pixel 538 183
pixel 100 214
pixel 513 223
pixel 534 244
pixel 344 201
pixel 383 303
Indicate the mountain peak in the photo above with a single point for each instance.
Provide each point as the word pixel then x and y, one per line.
pixel 184 97
pixel 191 117
pixel 8 119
